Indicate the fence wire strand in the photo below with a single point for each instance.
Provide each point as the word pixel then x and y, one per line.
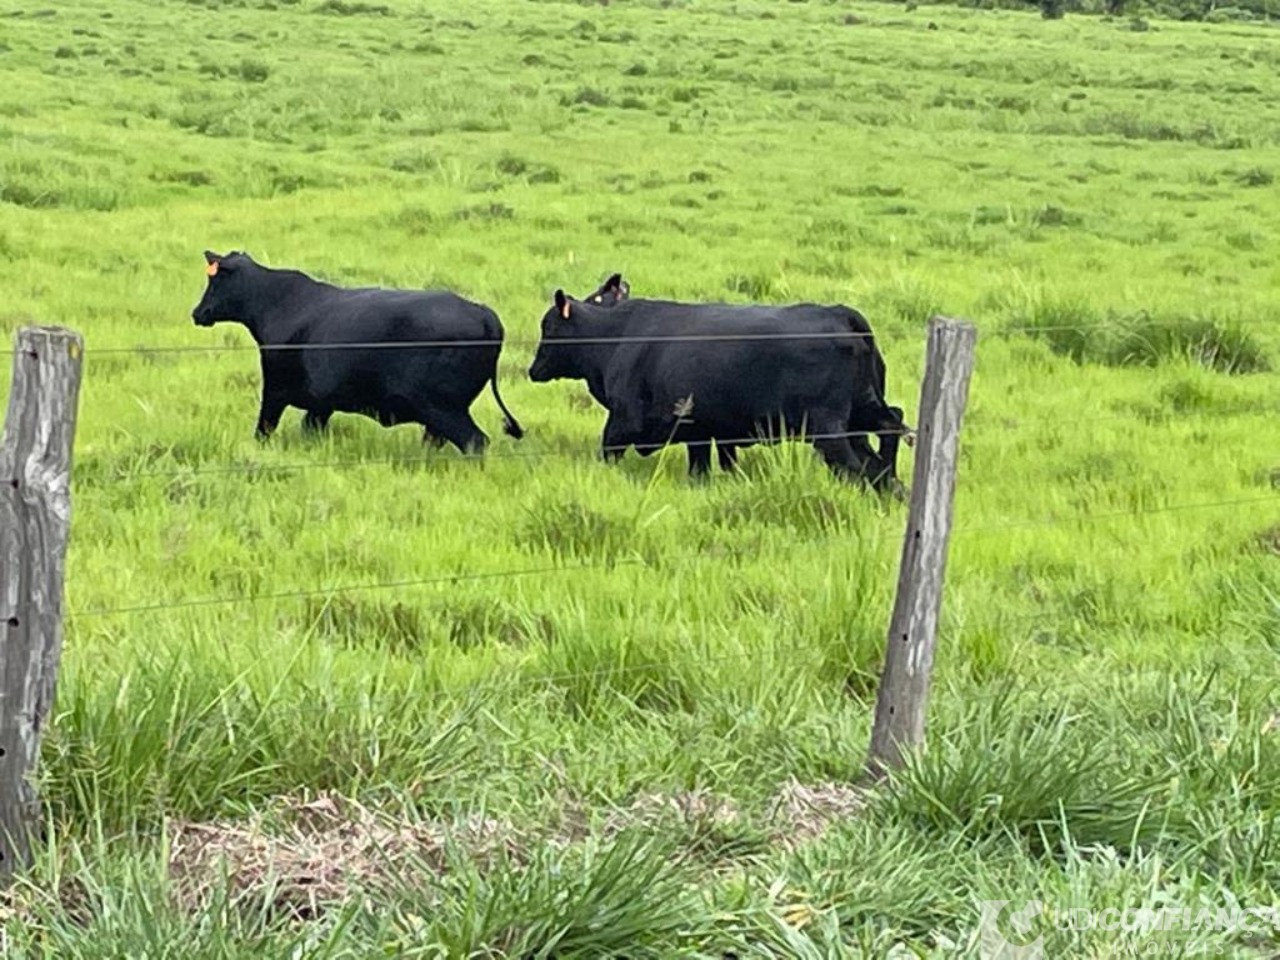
pixel 462 577
pixel 504 342
pixel 1007 424
pixel 628 561
pixel 266 466
pixel 324 700
pixel 435 580
pixel 889 334
pixel 1111 515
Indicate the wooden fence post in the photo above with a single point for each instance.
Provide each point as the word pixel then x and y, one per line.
pixel 35 514
pixel 903 696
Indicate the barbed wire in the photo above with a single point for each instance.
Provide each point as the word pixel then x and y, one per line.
pixel 887 334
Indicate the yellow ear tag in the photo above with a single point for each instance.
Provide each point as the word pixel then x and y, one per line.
pixel 212 268
pixel 599 299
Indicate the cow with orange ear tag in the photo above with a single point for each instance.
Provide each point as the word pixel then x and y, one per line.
pixel 394 355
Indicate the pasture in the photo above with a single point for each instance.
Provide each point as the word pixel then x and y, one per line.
pixel 594 710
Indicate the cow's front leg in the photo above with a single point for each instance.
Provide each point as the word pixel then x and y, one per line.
pixel 269 413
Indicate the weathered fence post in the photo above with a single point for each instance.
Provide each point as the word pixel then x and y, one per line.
pixel 35 514
pixel 903 695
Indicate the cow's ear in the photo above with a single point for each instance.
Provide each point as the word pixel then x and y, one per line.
pixel 562 304
pixel 211 257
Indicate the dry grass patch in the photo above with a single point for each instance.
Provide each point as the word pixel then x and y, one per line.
pixel 310 856
pixel 691 808
pixel 801 812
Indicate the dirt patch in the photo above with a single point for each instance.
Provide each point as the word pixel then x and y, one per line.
pixel 801 812
pixel 309 856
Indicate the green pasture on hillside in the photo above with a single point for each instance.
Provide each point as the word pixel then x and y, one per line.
pixel 654 693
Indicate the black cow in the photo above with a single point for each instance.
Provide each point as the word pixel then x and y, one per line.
pixel 697 373
pixel 299 324
pixel 615 290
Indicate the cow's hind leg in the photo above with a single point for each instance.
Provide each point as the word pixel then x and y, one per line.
pixel 849 461
pixel 875 469
pixel 613 443
pixel 316 421
pixel 727 454
pixel 457 427
pixel 699 458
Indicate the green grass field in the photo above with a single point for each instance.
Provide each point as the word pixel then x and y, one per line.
pixel 643 741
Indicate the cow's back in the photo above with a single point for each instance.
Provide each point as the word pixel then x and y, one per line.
pixel 374 371
pixel 739 364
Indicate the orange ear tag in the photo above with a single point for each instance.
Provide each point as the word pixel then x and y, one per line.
pixel 564 311
pixel 212 268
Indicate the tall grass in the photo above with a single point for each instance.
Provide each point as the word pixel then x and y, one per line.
pixel 1074 330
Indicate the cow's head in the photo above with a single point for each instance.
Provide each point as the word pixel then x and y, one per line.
pixel 556 362
pixel 225 294
pixel 552 361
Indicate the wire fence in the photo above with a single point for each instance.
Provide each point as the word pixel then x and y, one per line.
pixel 658 670
pixel 122 472
pixel 1112 515
pixel 889 334
pixel 461 695
pixel 1014 422
pixel 266 466
pixel 648 670
pixel 453 579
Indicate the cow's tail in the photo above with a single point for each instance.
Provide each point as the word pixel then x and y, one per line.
pixel 885 418
pixel 511 427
